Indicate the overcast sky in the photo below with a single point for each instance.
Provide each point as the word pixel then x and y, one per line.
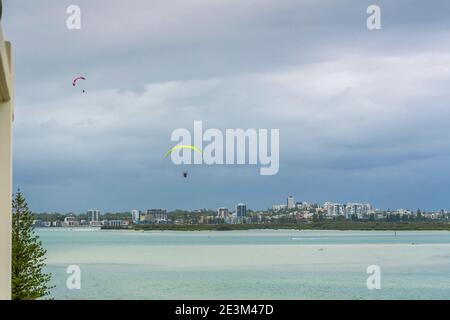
pixel 363 115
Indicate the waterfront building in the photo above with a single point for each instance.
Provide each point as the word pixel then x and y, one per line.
pixel 334 209
pixel 361 210
pixel 222 213
pixel 41 224
pixel 135 216
pixel 56 223
pixel 279 207
pixel 93 216
pixel 304 205
pixel 156 216
pixel 241 210
pixel 70 221
pixel 404 212
pixel 112 223
pixel 290 202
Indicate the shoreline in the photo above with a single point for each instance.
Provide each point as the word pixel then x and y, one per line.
pixel 332 226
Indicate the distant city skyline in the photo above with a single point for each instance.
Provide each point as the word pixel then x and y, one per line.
pixel 241 207
pixel 291 213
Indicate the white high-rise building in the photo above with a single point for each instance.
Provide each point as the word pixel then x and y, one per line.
pixel 222 213
pixel 135 215
pixel 156 216
pixel 290 202
pixel 93 215
pixel 334 209
pixel 359 209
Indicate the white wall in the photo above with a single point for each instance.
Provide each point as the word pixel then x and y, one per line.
pixel 6 118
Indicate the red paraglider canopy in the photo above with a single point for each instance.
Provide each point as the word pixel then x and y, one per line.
pixel 76 79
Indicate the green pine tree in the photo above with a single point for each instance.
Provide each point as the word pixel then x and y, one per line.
pixel 29 282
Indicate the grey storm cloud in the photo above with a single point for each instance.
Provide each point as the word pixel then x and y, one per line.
pixel 362 114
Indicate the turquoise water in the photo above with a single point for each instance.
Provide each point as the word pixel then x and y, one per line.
pixel 269 264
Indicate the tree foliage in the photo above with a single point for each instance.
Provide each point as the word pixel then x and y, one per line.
pixel 29 282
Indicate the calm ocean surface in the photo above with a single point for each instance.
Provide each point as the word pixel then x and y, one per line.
pixel 269 264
